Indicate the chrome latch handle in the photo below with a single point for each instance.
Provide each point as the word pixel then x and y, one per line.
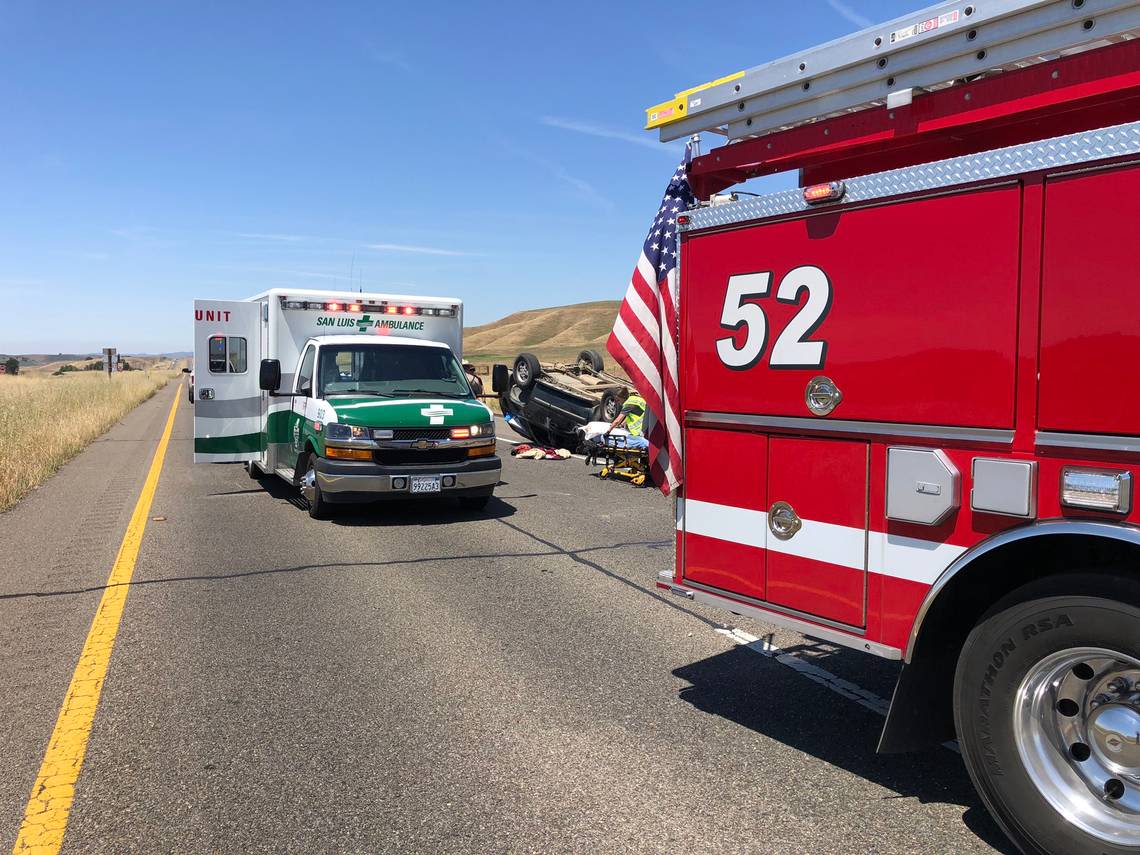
pixel 783 521
pixel 822 396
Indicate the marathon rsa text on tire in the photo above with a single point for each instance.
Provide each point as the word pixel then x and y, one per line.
pixel 526 369
pixel 1047 709
pixel 591 359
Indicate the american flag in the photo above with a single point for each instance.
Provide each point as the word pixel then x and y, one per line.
pixel 644 337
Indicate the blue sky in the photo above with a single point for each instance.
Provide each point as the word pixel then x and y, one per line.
pixel 156 152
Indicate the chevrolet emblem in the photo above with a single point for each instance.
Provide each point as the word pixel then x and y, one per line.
pixel 424 443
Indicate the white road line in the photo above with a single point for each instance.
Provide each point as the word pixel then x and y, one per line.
pixel 813 672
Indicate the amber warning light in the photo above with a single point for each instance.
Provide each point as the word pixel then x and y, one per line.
pixel 829 192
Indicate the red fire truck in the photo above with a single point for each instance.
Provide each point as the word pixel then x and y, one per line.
pixel 908 412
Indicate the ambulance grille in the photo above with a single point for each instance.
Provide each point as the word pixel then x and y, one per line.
pixel 415 456
pixel 421 433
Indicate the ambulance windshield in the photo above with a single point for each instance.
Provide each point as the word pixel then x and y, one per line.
pixel 390 371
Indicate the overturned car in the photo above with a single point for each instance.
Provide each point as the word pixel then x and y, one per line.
pixel 548 402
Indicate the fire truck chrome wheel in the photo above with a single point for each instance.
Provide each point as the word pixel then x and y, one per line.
pixel 1076 722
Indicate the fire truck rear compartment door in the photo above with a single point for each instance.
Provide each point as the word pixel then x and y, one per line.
pixel 229 404
pixel 910 307
pixel 1090 312
pixel 819 568
pixel 724 524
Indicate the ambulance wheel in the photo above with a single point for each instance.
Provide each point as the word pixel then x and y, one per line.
pixel 591 359
pixel 526 370
pixel 311 490
pixel 1047 708
pixel 473 503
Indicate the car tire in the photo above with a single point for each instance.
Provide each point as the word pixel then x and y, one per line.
pixel 591 359
pixel 610 408
pixel 526 370
pixel 1030 680
pixel 311 490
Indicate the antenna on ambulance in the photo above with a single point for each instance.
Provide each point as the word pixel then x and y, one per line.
pixel 890 63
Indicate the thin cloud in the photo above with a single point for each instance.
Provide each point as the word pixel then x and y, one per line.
pixel 276 237
pixel 581 186
pixel 417 250
pixel 850 14
pixel 592 130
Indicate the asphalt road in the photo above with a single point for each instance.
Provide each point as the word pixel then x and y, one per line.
pixel 420 679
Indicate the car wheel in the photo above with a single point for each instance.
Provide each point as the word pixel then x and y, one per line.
pixel 526 370
pixel 591 359
pixel 610 408
pixel 311 490
pixel 1047 708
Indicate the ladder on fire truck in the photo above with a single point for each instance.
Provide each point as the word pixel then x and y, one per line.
pixel 888 64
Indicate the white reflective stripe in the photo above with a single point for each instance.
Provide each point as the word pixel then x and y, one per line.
pixel 820 541
pixel 910 558
pixel 208 427
pixel 725 522
pixel 892 555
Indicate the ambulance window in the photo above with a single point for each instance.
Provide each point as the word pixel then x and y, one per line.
pixel 217 354
pixel 305 373
pixel 227 355
pixel 237 355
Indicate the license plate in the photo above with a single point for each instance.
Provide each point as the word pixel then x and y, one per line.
pixel 425 484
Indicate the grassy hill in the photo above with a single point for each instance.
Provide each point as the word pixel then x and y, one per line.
pixel 554 335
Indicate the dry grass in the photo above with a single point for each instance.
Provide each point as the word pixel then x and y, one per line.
pixel 45 420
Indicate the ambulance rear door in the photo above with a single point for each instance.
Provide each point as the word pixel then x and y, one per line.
pixel 229 407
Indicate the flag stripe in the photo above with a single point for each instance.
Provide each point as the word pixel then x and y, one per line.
pixel 643 340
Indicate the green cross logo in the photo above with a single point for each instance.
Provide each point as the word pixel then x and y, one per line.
pixel 364 323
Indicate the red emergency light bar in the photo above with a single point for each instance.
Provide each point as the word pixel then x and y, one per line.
pixel 378 308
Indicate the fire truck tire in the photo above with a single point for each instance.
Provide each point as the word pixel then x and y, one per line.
pixel 1047 709
pixel 526 370
pixel 591 359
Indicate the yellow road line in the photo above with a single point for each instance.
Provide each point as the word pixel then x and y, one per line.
pixel 45 818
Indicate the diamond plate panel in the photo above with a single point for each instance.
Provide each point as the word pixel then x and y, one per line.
pixel 1085 147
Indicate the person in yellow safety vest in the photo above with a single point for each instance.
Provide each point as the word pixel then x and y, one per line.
pixel 632 418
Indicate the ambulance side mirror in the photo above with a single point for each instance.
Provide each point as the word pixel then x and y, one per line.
pixel 500 378
pixel 269 378
pixel 185 370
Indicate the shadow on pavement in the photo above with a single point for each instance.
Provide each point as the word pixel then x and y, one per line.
pixel 441 511
pixel 764 696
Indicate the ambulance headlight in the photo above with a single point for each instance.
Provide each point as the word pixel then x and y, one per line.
pixel 487 429
pixel 341 432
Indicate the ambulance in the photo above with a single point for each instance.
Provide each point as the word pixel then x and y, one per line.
pixel 908 413
pixel 352 397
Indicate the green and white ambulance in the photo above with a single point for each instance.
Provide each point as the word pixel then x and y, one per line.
pixel 351 397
